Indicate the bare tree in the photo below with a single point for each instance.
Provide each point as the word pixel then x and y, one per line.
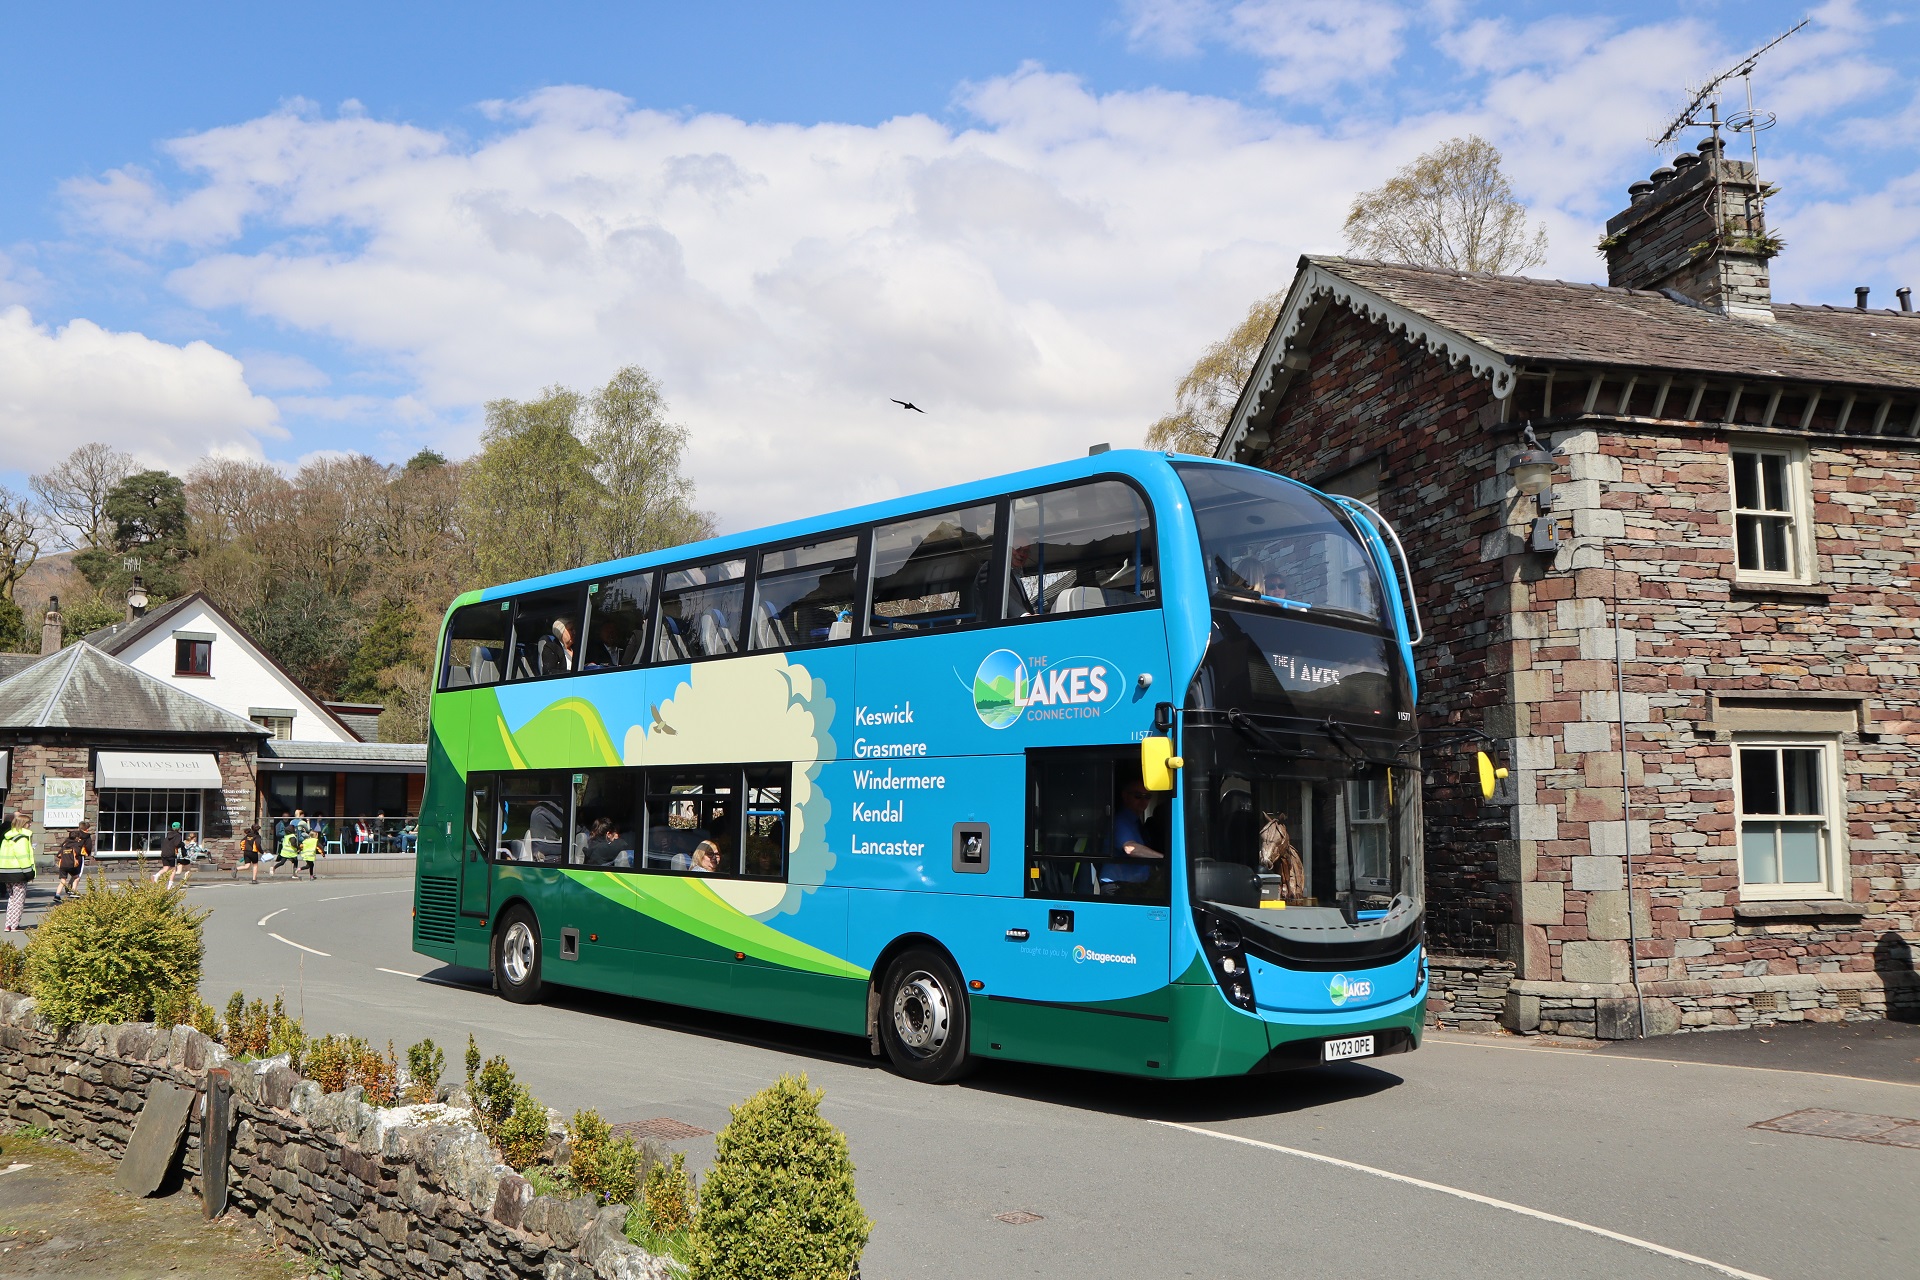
pixel 1452 207
pixel 73 493
pixel 1205 398
pixel 21 531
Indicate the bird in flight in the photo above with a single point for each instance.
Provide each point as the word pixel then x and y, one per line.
pixel 908 404
pixel 659 725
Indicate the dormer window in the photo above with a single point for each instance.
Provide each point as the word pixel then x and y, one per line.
pixel 192 656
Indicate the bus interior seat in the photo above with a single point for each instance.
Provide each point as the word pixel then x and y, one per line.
pixel 842 627
pixel 458 677
pixel 1076 599
pixel 715 636
pixel 769 631
pixel 549 657
pixel 681 862
pixel 673 645
pixel 630 655
pixel 484 666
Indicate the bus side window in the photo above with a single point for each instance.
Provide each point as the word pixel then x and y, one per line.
pixel 688 808
pixel 607 820
pixel 546 634
pixel 804 596
pixel 932 572
pixel 617 626
pixel 476 645
pixel 533 818
pixel 1079 550
pixel 766 843
pixel 700 608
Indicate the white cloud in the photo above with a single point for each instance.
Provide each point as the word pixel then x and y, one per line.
pixel 164 404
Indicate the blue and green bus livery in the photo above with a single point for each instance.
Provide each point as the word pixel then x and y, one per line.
pixel 912 735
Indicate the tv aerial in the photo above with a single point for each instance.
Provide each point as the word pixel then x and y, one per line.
pixel 1707 99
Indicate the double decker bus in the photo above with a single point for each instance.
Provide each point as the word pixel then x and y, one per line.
pixel 1110 764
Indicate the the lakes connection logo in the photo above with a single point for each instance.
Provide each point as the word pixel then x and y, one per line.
pixel 1069 689
pixel 1341 988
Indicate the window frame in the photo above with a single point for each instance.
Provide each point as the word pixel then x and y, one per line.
pixel 1799 495
pixel 1004 567
pixel 862 535
pixel 197 646
pixel 1836 881
pixel 996 588
pixel 582 615
pixel 590 589
pixel 506 606
pixel 748 580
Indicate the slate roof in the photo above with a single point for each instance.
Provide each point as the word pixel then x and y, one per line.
pixel 82 688
pixel 12 664
pixel 116 636
pixel 346 752
pixel 1529 320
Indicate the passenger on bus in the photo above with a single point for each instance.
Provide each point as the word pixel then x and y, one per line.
pixel 563 632
pixel 1124 878
pixel 706 857
pixel 608 645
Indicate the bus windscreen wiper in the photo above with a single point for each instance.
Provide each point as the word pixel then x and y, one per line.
pixel 1343 741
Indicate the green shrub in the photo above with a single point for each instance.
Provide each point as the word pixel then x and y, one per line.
pixel 523 1134
pixel 609 1167
pixel 668 1196
pixel 779 1200
pixel 110 953
pixel 492 1089
pixel 338 1062
pixel 425 1062
pixel 186 1008
pixel 286 1035
pixel 330 1061
pixel 236 1014
pixel 13 970
pixel 473 1061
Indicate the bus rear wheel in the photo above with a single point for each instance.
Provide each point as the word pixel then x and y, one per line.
pixel 923 1018
pixel 516 957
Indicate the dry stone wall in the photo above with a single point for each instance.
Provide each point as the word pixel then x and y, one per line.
pixel 377 1192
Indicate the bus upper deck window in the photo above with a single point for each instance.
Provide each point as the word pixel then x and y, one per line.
pixel 617 626
pixel 1078 550
pixel 476 650
pixel 804 596
pixel 700 611
pixel 546 634
pixel 932 571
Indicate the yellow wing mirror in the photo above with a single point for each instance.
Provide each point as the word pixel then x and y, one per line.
pixel 1489 774
pixel 1157 763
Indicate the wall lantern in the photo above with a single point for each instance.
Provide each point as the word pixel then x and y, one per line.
pixel 1532 472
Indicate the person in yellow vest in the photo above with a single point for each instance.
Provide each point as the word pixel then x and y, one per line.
pixel 309 850
pixel 16 867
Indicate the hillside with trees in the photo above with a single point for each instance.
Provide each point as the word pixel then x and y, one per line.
pixel 343 569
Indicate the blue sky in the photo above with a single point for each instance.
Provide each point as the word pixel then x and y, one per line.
pixel 269 234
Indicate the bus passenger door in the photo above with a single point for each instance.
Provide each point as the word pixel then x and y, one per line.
pixel 477 849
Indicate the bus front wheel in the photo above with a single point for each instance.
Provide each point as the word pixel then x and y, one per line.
pixel 923 1018
pixel 516 957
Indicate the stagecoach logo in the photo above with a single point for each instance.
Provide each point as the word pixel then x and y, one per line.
pixel 1341 988
pixel 1081 956
pixel 1077 688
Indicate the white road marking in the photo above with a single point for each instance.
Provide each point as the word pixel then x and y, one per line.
pixel 15 1168
pixel 384 893
pixel 1596 1056
pixel 398 973
pixel 262 921
pixel 301 946
pixel 1475 1197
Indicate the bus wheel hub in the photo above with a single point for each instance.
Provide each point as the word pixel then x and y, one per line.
pixel 921 1014
pixel 516 952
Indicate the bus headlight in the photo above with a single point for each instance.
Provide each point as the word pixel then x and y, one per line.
pixel 1226 955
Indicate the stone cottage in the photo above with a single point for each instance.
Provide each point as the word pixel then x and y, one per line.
pixel 1698 643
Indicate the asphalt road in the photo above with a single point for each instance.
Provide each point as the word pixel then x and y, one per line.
pixel 1474 1157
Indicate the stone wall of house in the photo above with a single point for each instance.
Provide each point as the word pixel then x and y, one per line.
pixel 224 813
pixel 1649 550
pixel 377 1193
pixel 1367 395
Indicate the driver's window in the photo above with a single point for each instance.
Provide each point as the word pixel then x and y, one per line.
pixel 479 818
pixel 1093 831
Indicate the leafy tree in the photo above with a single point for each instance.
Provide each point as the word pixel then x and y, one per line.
pixel 1205 398
pixel 308 630
pixel 73 493
pixel 387 641
pixel 13 629
pixel 1452 207
pixel 426 459
pixel 147 515
pixel 530 499
pixel 637 452
pixel 21 531
pixel 86 615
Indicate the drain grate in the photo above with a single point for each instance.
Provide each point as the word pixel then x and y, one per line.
pixel 1017 1217
pixel 1849 1126
pixel 662 1128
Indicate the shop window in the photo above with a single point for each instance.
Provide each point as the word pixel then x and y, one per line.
pixel 136 820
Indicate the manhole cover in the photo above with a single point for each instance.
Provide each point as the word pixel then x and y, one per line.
pixel 660 1127
pixel 1017 1217
pixel 1851 1126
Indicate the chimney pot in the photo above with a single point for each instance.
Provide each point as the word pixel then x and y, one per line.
pixel 1860 293
pixel 1638 191
pixel 1661 176
pixel 52 633
pixel 1906 298
pixel 1684 161
pixel 1712 147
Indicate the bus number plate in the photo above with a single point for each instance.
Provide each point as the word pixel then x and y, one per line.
pixel 1351 1047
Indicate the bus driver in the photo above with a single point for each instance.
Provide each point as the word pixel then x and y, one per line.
pixel 1129 842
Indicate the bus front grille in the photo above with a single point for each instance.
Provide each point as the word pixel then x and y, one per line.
pixel 436 910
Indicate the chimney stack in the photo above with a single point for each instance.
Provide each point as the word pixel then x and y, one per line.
pixel 1697 228
pixel 50 629
pixel 1906 297
pixel 1860 292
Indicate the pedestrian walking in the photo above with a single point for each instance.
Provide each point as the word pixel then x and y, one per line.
pixel 289 851
pixel 88 863
pixel 250 852
pixel 170 855
pixel 16 867
pixel 309 851
pixel 67 863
